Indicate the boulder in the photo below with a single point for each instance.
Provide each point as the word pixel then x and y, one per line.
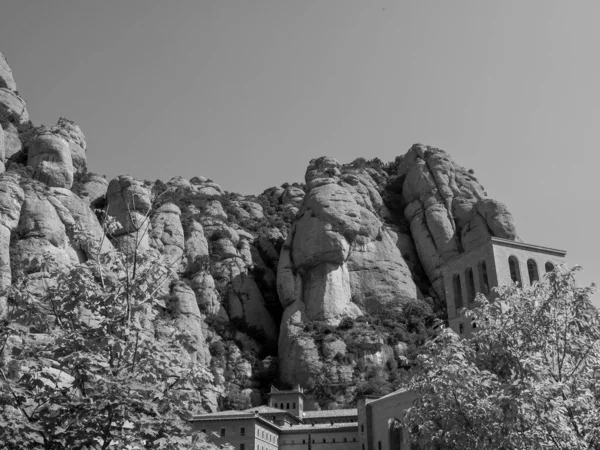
pixel 50 157
pixel 72 134
pixel 254 210
pixel 42 233
pixel 207 296
pixel 223 248
pixel 94 189
pixel 292 196
pixel 179 182
pixel 215 209
pixel 92 240
pixel 167 233
pixel 198 180
pixel 129 202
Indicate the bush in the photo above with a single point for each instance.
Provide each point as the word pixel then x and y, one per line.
pixel 217 349
pixel 346 323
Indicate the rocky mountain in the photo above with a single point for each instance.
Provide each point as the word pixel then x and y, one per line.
pixel 333 284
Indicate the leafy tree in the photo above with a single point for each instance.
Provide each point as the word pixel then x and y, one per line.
pixel 528 378
pixel 85 369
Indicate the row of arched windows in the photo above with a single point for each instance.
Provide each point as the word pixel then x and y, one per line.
pixel 484 284
pixel 532 270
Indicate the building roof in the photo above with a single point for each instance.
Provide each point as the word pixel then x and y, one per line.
pixel 523 245
pixel 320 427
pixel 404 391
pixel 221 414
pixel 264 409
pixel 330 413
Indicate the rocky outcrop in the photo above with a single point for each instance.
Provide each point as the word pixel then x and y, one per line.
pixel 94 189
pixel 306 268
pixel 341 259
pixel 71 133
pixel 189 320
pixel 6 76
pixel 447 209
pixel 129 202
pixel 50 158
pixel 167 233
pixel 346 257
pixel 11 202
pixel 12 108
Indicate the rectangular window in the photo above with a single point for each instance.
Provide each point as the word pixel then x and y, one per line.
pixel 222 431
pixel 461 328
pixel 379 445
pixel 242 431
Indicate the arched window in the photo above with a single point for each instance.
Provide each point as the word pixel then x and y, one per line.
pixel 458 300
pixel 287 406
pixel 533 271
pixel 294 405
pixel 484 283
pixel 549 267
pixel 513 266
pixel 395 434
pixel 470 285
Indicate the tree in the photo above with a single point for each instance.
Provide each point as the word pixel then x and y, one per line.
pixel 528 378
pixel 84 368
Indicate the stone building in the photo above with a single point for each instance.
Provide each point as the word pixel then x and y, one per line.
pixel 282 424
pixel 492 264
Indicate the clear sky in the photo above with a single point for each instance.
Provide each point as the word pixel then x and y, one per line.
pixel 247 92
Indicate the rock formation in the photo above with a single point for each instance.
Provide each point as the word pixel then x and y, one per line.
pixel 327 282
pixel 447 209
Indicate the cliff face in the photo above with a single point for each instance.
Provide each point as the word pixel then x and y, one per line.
pixel 331 281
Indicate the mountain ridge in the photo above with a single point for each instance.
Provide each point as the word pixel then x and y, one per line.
pixel 332 281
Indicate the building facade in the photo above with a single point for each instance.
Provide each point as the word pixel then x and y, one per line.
pixel 282 424
pixel 492 264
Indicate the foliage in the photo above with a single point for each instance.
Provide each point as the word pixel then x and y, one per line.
pixel 235 400
pixel 85 370
pixel 528 378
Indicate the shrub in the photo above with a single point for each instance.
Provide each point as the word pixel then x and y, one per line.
pixel 217 349
pixel 346 323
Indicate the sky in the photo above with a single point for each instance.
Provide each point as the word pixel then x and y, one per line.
pixel 247 92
